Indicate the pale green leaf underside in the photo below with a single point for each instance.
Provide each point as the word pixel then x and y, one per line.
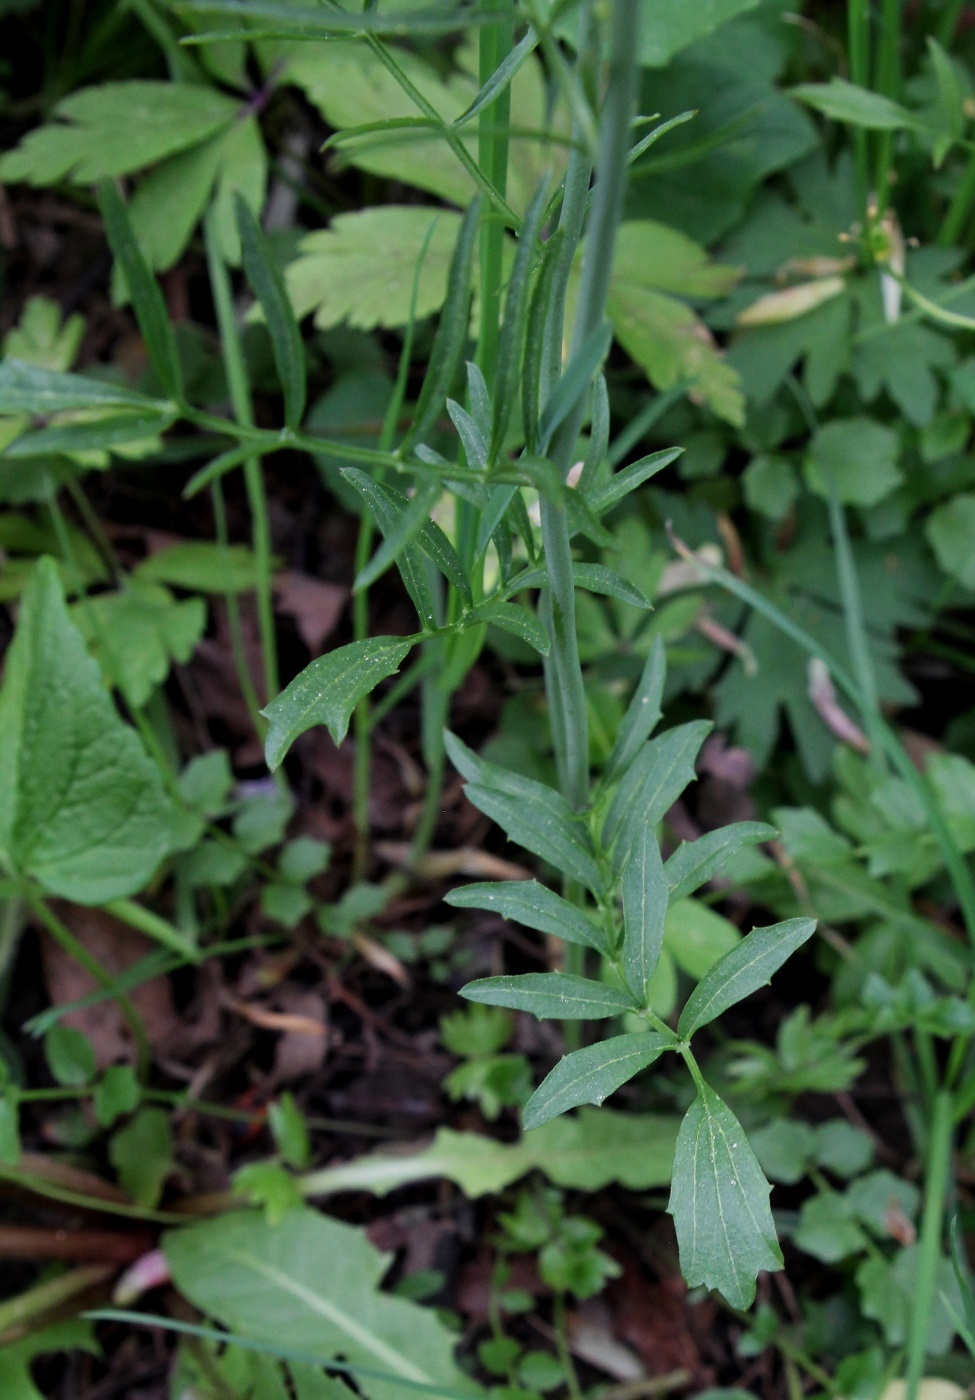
pixel 327 691
pixel 82 808
pixel 313 1283
pixel 589 1076
pixel 720 1203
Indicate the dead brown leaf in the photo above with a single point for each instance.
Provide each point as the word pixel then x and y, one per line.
pixel 314 605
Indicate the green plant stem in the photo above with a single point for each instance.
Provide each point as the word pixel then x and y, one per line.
pixel 564 1350
pixel 137 916
pixel 237 647
pixel 888 82
pixel 567 689
pixel 495 41
pixel 960 209
pixel 937 1174
pixel 948 23
pixel 240 399
pixel 858 43
pixel 28 1309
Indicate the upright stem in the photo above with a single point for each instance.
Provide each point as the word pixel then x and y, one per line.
pixel 859 47
pixel 937 1174
pixel 240 399
pixel 889 83
pixel 567 689
pixel 492 156
pixel 960 208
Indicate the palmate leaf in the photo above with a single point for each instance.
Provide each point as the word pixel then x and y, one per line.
pixel 719 1202
pixel 82 808
pixel 327 691
pixel 313 1283
pixel 589 1076
pixel 138 633
pixel 155 119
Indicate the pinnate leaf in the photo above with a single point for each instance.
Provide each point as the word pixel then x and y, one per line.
pixel 592 1074
pixel 82 808
pixel 719 1200
pixel 557 996
pixel 327 691
pixel 742 971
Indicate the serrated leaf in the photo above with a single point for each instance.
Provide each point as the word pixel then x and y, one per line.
pixel 361 269
pixel 267 1282
pixel 644 891
pixel 695 862
pixel 742 971
pixel 535 906
pixel 155 119
pixel 592 1074
pixel 719 1202
pixel 546 827
pixel 27 388
pixel 82 808
pixel 268 286
pixel 557 996
pixel 514 619
pixel 652 784
pixel 327 691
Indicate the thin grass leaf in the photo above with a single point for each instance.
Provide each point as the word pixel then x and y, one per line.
pixel 268 286
pixel 408 526
pixel 592 1074
pixel 452 331
pixel 652 137
pixel 551 996
pixel 533 359
pixel 147 302
pixel 499 79
pixel 472 440
pixel 536 906
pixel 494 512
pixel 603 498
pixel 512 334
pixel 511 618
pixel 642 714
pixel 213 471
pixel 480 399
pixel 574 383
pixel 598 434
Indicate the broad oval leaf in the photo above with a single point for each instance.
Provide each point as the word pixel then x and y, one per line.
pixel 327 691
pixel 846 102
pixel 551 996
pixel 742 971
pixel 719 1200
pixel 313 1284
pixel 592 1074
pixel 694 862
pixel 644 891
pixel 535 906
pixel 82 807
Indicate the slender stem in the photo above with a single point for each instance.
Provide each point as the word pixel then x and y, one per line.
pixel 495 42
pixel 948 22
pixel 567 687
pixel 936 1180
pixel 960 209
pixel 27 1309
pixel 564 1350
pixel 240 399
pixel 888 83
pixel 859 46
pixel 237 646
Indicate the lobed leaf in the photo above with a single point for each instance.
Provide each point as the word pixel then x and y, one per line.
pixel 327 691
